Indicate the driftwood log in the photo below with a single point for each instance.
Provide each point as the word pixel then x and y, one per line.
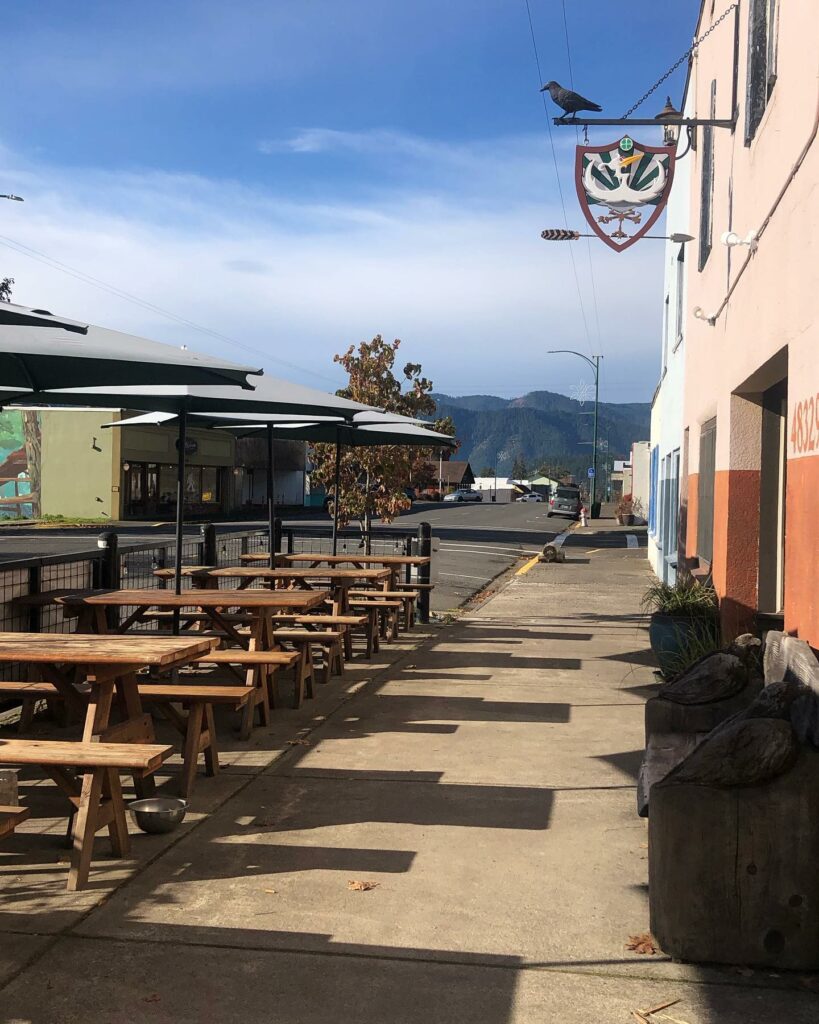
pixel 734 829
pixel 687 708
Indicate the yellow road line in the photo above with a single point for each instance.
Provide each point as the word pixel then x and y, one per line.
pixel 529 565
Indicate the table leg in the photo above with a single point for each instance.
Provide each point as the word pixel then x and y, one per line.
pixel 141 726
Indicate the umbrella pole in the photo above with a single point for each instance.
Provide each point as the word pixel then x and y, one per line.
pixel 271 499
pixel 336 494
pixel 181 442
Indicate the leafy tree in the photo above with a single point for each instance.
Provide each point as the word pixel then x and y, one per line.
pixel 5 289
pixel 519 468
pixel 373 480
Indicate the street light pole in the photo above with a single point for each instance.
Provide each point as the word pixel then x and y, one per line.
pixel 594 363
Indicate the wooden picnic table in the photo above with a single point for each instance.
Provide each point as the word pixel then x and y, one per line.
pixel 101 665
pixel 395 563
pixel 261 604
pixel 290 581
pixel 105 664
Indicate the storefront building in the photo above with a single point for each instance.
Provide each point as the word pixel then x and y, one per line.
pixel 79 468
pixel 751 397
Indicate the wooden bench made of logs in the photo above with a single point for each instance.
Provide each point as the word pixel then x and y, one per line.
pixel 96 795
pixel 10 818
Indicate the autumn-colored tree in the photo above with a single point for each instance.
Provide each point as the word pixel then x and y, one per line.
pixel 373 481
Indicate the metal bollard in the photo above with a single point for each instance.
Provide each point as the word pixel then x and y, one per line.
pixel 210 553
pixel 424 571
pixel 108 542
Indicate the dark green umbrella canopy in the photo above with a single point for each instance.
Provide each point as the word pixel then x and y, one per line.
pixel 41 352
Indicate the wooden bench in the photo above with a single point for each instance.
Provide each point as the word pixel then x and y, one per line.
pixel 197 726
pixel 96 797
pixel 28 694
pixel 10 818
pixel 329 640
pixel 406 597
pixel 387 608
pixel 344 623
pixel 260 668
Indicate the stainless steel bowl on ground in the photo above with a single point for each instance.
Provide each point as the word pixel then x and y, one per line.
pixel 158 814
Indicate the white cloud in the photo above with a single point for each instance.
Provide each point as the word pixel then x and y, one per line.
pixel 449 259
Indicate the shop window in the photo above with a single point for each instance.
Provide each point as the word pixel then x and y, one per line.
pixel 762 33
pixel 167 485
pixel 210 484
pixel 133 477
pixel 707 184
pixel 193 484
pixel 705 491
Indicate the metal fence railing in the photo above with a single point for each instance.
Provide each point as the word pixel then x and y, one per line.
pixel 132 566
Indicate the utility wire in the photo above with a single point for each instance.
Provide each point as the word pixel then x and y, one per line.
pixel 588 241
pixel 557 173
pixel 80 275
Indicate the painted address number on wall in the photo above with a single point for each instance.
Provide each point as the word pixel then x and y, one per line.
pixel 805 426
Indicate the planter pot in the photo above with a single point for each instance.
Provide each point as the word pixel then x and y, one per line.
pixel 670 635
pixel 627 520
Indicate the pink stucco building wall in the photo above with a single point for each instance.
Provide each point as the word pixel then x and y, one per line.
pixel 762 346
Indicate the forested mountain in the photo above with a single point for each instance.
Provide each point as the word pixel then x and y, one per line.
pixel 542 427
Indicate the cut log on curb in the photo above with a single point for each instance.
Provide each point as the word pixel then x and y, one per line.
pixel 552 553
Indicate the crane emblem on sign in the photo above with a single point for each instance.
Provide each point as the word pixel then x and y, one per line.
pixel 623 188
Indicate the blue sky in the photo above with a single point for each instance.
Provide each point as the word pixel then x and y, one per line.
pixel 301 176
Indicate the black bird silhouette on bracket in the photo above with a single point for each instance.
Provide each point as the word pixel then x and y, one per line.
pixel 570 102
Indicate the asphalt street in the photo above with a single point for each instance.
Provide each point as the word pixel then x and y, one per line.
pixel 472 543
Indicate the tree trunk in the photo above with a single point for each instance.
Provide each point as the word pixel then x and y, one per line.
pixel 368 518
pixel 33 442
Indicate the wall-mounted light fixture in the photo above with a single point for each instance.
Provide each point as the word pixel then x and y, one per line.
pixel 700 315
pixel 671 131
pixel 126 466
pixel 731 239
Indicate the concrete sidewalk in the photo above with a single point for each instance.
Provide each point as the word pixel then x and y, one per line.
pixel 483 784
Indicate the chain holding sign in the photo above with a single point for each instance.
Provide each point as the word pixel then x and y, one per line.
pixel 621 183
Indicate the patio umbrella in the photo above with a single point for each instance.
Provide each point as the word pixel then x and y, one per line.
pixel 378 430
pixel 40 352
pixel 271 396
pixel 271 423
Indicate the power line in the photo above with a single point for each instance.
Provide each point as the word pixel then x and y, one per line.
pixel 557 174
pixel 81 275
pixel 588 242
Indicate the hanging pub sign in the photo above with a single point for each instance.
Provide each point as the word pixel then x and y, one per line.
pixel 623 188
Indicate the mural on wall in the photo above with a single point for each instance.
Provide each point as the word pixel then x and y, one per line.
pixel 20 444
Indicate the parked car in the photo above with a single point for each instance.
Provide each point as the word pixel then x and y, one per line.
pixel 566 502
pixel 531 496
pixel 462 494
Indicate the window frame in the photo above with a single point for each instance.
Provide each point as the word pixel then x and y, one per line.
pixel 763 32
pixel 679 311
pixel 706 237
